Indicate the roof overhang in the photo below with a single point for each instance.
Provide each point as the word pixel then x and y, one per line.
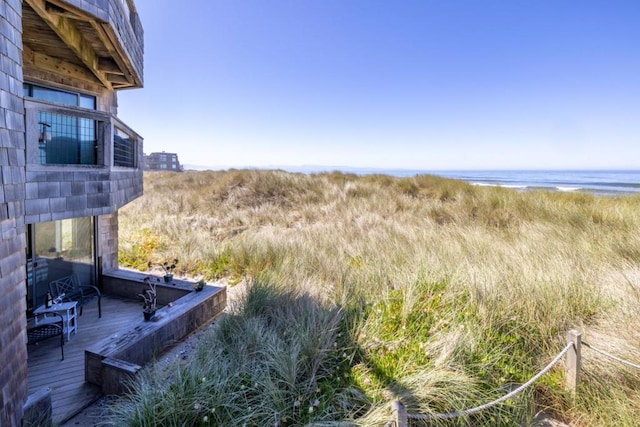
pixel 64 39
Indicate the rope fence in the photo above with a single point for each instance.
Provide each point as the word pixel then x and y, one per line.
pixel 573 353
pixel 610 356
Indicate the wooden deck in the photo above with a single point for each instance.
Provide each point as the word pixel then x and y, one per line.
pixel 69 391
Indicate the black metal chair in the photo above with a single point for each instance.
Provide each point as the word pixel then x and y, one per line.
pixel 70 289
pixel 46 328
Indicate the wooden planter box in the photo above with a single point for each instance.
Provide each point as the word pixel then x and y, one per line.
pixel 110 363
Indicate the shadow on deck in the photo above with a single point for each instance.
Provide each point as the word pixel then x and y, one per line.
pixel 121 334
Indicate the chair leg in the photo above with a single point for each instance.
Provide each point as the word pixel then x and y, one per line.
pixel 62 342
pixel 99 308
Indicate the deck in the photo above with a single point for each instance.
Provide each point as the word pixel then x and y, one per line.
pixel 69 391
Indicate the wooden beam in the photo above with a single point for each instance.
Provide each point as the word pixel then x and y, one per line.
pixel 118 79
pixel 72 37
pixel 58 66
pixel 68 7
pixel 57 10
pixel 106 35
pixel 109 66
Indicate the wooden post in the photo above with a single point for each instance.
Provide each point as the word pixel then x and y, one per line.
pixel 574 360
pixel 400 414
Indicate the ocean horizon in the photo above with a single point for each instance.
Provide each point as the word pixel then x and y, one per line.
pixel 602 182
pixel 611 182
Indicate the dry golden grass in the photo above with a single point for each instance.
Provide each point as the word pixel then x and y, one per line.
pixel 514 271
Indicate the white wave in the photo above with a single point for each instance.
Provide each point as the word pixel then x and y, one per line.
pixel 486 184
pixel 566 189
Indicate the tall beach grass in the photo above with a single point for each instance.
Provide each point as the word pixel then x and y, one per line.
pixel 366 289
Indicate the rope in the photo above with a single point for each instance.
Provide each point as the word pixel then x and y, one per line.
pixel 507 396
pixel 611 356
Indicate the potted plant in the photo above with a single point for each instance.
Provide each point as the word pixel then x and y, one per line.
pixel 149 299
pixel 199 285
pixel 168 268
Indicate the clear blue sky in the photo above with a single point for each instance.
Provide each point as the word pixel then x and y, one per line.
pixel 417 84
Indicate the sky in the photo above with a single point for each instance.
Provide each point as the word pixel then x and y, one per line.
pixel 404 84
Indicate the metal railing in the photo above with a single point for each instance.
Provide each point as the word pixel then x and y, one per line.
pixel 124 149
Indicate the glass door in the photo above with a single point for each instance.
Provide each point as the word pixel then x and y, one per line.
pixel 58 249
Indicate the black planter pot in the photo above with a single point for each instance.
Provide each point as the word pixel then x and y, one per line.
pixel 168 278
pixel 148 314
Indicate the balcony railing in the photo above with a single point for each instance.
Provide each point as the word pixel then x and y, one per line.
pixel 124 149
pixel 62 136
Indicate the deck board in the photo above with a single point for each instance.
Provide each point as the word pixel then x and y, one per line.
pixel 69 391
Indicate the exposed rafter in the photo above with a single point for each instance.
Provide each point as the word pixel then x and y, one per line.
pixel 110 42
pixel 108 65
pixel 64 27
pixel 105 35
pixel 57 10
pixel 118 79
pixel 55 65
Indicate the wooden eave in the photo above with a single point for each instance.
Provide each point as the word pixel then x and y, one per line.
pixel 82 46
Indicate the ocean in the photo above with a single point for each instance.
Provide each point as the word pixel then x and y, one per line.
pixel 615 182
pixel 602 182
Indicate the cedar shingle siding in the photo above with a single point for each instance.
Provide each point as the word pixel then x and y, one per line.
pixel 13 371
pixel 97 51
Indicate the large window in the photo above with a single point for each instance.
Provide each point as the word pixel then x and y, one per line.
pixel 57 249
pixel 65 139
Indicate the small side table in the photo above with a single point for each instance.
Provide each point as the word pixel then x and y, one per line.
pixel 68 312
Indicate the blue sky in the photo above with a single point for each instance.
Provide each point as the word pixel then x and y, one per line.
pixel 416 84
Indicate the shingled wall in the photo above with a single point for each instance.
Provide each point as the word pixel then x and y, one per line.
pixel 13 372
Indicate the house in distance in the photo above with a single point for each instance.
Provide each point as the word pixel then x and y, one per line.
pixel 162 162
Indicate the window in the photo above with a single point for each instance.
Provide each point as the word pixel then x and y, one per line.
pixel 58 96
pixel 124 149
pixel 87 101
pixel 71 140
pixel 65 139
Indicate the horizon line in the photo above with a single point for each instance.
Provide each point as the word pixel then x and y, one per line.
pixel 332 168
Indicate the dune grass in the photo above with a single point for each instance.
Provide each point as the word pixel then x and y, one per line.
pixel 367 289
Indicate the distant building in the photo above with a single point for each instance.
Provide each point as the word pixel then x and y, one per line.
pixel 162 162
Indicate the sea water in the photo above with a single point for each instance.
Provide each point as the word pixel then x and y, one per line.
pixel 601 182
pixel 605 182
pixel 610 182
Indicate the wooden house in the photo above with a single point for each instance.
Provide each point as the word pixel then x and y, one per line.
pixel 67 161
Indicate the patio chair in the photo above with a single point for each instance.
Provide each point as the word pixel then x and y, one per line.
pixel 42 331
pixel 70 289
